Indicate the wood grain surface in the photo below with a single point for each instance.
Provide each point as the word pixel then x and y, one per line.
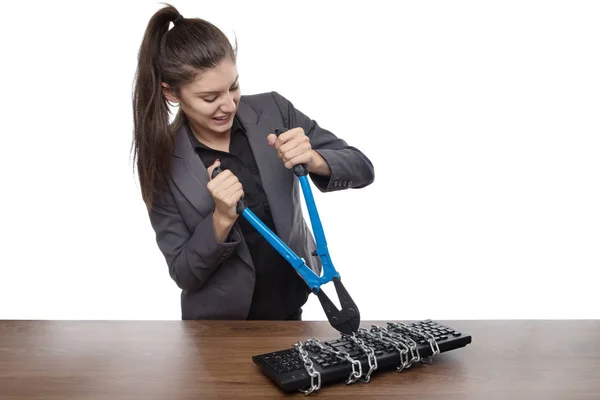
pixel 90 360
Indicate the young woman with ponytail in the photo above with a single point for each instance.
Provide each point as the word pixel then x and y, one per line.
pixel 223 266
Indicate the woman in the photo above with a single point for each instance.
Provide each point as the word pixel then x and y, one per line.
pixel 225 268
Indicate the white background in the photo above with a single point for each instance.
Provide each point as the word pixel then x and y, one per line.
pixel 482 120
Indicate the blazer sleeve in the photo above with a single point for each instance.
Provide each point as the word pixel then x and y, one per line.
pixel 192 256
pixel 350 168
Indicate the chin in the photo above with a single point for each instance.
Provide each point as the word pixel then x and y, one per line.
pixel 222 128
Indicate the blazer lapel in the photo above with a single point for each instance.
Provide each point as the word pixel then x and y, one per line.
pixel 277 180
pixel 190 174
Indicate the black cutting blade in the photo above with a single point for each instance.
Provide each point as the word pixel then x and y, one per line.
pixel 346 320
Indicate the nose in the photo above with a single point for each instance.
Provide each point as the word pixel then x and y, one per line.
pixel 228 105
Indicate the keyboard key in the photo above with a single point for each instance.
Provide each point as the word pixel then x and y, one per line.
pixel 340 344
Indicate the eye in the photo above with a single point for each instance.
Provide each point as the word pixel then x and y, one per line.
pixel 233 88
pixel 210 100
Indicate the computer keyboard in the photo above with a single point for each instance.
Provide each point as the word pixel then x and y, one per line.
pixel 309 366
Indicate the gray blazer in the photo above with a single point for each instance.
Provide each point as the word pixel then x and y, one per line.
pixel 217 279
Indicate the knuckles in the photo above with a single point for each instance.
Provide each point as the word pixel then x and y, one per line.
pixel 289 135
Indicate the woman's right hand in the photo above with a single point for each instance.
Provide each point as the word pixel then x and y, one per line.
pixel 226 190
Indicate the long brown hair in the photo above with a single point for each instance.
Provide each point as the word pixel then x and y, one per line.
pixel 173 56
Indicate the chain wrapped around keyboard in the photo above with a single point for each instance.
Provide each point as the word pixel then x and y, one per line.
pixel 408 330
pixel 310 369
pixel 400 347
pixel 310 365
pixel 369 352
pixel 406 342
pixel 356 365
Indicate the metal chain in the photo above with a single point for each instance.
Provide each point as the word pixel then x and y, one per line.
pixel 369 352
pixel 397 334
pixel 377 336
pixel 356 366
pixel 310 369
pixel 406 342
pixel 435 349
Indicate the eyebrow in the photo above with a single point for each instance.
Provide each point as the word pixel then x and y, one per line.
pixel 216 91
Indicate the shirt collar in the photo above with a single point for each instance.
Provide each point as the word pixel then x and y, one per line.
pixel 236 128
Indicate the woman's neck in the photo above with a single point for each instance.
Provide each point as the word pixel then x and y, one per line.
pixel 218 142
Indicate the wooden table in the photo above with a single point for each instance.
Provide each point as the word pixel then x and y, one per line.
pixel 175 360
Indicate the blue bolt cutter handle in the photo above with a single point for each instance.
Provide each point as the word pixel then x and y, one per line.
pixel 346 320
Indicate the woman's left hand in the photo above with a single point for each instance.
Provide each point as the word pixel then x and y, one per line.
pixel 293 147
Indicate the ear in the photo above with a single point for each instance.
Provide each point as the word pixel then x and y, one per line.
pixel 169 94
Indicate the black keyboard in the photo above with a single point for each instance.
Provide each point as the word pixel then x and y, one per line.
pixel 350 359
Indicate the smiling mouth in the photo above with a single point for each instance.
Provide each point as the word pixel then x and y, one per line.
pixel 223 118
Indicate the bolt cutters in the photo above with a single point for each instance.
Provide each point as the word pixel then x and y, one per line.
pixel 346 320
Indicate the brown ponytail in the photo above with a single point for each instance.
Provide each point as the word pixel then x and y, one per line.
pixel 175 57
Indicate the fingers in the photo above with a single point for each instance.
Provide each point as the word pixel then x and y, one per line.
pixel 237 195
pixel 294 148
pixel 285 137
pixel 222 182
pixel 232 195
pixel 303 158
pixel 225 188
pixel 216 164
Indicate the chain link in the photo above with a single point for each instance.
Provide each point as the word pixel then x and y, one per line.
pixel 435 349
pixel 310 369
pixel 369 352
pixel 356 365
pixel 377 336
pixel 406 342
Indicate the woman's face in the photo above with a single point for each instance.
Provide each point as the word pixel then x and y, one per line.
pixel 210 101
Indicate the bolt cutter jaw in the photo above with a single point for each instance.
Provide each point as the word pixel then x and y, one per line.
pixel 346 320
